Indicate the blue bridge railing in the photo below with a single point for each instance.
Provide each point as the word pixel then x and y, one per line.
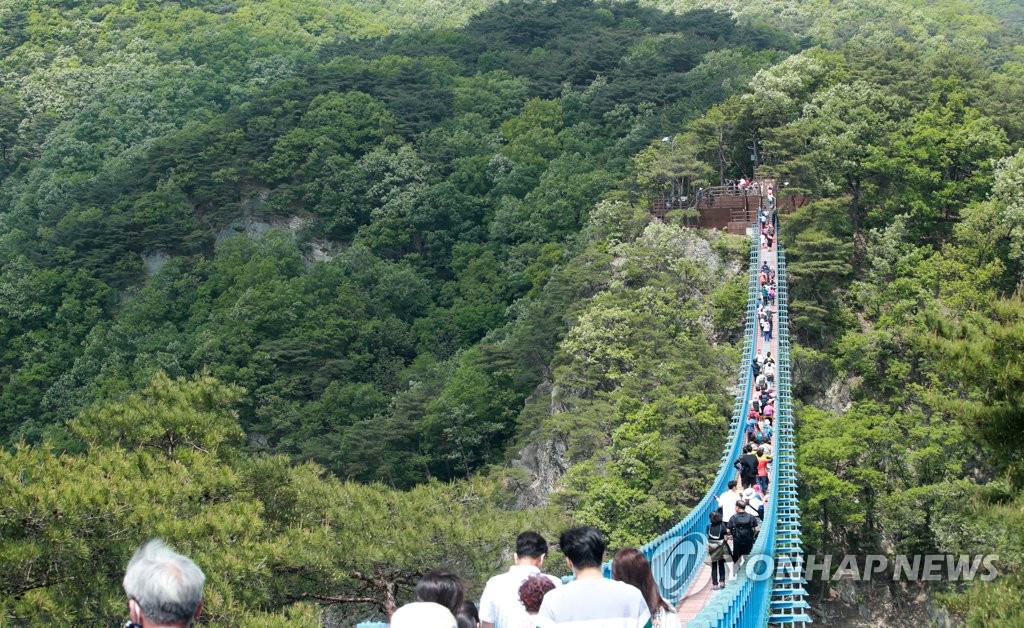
pixel 769 586
pixel 677 555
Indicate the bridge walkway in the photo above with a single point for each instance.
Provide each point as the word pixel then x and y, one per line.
pixel 700 593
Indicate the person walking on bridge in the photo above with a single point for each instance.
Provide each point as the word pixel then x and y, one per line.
pixel 744 528
pixel 591 601
pixel 748 466
pixel 632 567
pixel 500 606
pixel 727 500
pixel 717 550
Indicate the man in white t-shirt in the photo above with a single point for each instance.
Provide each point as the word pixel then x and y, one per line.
pixel 727 500
pixel 499 605
pixel 592 601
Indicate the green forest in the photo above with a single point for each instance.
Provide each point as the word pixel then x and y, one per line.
pixel 307 288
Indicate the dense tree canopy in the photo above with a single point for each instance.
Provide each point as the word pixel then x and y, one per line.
pixel 281 279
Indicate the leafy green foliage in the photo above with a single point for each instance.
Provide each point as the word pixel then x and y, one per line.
pixel 400 241
pixel 271 536
pixel 407 196
pixel 981 352
pixel 641 395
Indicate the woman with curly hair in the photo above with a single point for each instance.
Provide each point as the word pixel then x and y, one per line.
pixel 531 594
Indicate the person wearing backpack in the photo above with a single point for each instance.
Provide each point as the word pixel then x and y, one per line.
pixel 761 382
pixel 743 527
pixel 753 414
pixel 753 430
pixel 717 550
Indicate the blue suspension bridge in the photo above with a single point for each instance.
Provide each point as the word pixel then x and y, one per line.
pixel 768 588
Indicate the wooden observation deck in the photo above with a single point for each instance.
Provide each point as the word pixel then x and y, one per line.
pixel 725 207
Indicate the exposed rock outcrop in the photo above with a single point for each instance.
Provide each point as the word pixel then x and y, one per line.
pixel 546 463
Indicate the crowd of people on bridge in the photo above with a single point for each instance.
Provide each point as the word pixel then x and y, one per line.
pixel 768 220
pixel 741 508
pixel 525 597
pixel 165 590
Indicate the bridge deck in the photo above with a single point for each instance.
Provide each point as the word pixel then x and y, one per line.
pixel 700 592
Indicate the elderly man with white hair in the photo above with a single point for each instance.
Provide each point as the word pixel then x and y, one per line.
pixel 164 588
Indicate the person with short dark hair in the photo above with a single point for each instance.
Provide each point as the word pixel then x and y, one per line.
pixel 727 500
pixel 164 588
pixel 591 601
pixel 743 527
pixel 500 605
pixel 748 467
pixel 441 587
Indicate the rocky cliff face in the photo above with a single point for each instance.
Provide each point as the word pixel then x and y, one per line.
pixel 545 463
pixel 881 605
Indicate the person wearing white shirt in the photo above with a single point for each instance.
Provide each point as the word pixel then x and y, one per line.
pixel 754 502
pixel 591 600
pixel 727 501
pixel 500 606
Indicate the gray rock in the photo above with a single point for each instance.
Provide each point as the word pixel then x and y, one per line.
pixel 847 591
pixel 545 464
pixel 940 617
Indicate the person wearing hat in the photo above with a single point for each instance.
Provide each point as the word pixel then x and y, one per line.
pixel 755 503
pixel 749 495
pixel 762 498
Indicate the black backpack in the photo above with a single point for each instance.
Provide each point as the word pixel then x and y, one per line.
pixel 743 528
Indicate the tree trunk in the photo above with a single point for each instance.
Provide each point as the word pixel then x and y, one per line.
pixel 388 596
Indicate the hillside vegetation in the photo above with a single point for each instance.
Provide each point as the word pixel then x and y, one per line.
pixel 292 284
